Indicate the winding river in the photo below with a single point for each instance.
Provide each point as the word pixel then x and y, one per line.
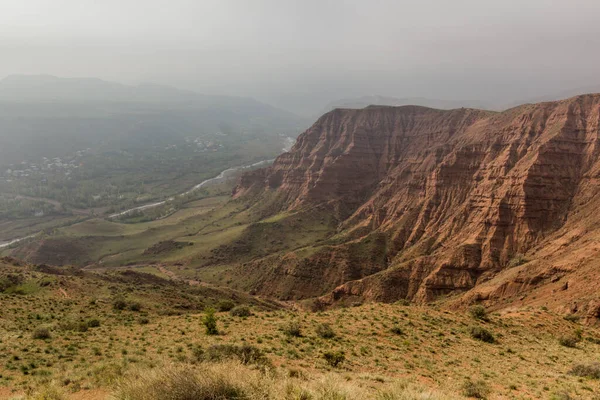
pixel 217 179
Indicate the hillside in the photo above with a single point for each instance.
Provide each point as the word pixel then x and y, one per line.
pixel 134 334
pixel 78 113
pixel 387 204
pixel 72 148
pixel 430 203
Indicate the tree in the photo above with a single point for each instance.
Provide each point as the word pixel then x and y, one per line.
pixel 210 322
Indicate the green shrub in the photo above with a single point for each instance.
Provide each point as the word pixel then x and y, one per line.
pixel 134 306
pixel 246 354
pixel 396 330
pixel 210 322
pixel 225 305
pixel 571 317
pixel 93 323
pixel 586 370
pixel 479 312
pixel 241 311
pixel 569 341
pixel 476 389
pixel 41 333
pixel 325 331
pixel 334 358
pixel 119 304
pixel 293 329
pixel 518 259
pixel 144 321
pixel 482 334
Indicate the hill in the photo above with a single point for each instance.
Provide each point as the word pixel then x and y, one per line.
pixel 76 113
pixel 393 203
pixel 135 334
pixel 430 203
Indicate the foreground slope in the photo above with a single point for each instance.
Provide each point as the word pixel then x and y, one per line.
pixel 68 333
pixel 431 202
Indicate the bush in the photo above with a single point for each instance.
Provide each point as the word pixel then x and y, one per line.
pixel 571 318
pixel 135 306
pixel 225 305
pixel 479 312
pixel 176 383
pixel 325 331
pixel 93 323
pixel 241 311
pixel 119 304
pixel 518 259
pixel 476 389
pixel 293 329
pixel 210 322
pixel 396 330
pixel 73 325
pixel 41 333
pixel 246 354
pixel 144 321
pixel 482 334
pixel 569 341
pixel 334 358
pixel 586 370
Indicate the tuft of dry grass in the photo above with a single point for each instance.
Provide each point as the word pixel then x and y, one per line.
pixel 50 391
pixel 230 380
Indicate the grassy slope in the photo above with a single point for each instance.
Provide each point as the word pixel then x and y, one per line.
pixel 218 234
pixel 434 347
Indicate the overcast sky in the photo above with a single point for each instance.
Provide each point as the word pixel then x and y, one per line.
pixel 289 52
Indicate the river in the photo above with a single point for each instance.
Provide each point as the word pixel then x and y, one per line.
pixel 219 178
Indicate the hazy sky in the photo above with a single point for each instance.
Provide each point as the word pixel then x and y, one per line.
pixel 289 52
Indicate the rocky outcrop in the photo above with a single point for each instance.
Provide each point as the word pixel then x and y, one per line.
pixel 456 194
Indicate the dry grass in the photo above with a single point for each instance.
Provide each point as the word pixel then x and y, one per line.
pixel 235 381
pixel 383 346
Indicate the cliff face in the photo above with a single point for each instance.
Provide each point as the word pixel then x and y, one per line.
pixel 457 194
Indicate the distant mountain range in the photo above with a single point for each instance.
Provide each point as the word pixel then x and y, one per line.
pixel 52 89
pixel 46 115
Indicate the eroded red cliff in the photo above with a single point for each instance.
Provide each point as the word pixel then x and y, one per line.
pixel 456 195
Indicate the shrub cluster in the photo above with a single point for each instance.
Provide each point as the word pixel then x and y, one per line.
pixel 246 354
pixel 293 329
pixel 476 389
pixel 586 370
pixel 334 358
pixel 122 304
pixel 569 341
pixel 479 312
pixel 396 330
pixel 325 331
pixel 225 305
pixel 482 334
pixel 41 333
pixel 241 311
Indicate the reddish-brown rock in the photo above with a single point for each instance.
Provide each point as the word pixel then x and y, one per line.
pixel 456 194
